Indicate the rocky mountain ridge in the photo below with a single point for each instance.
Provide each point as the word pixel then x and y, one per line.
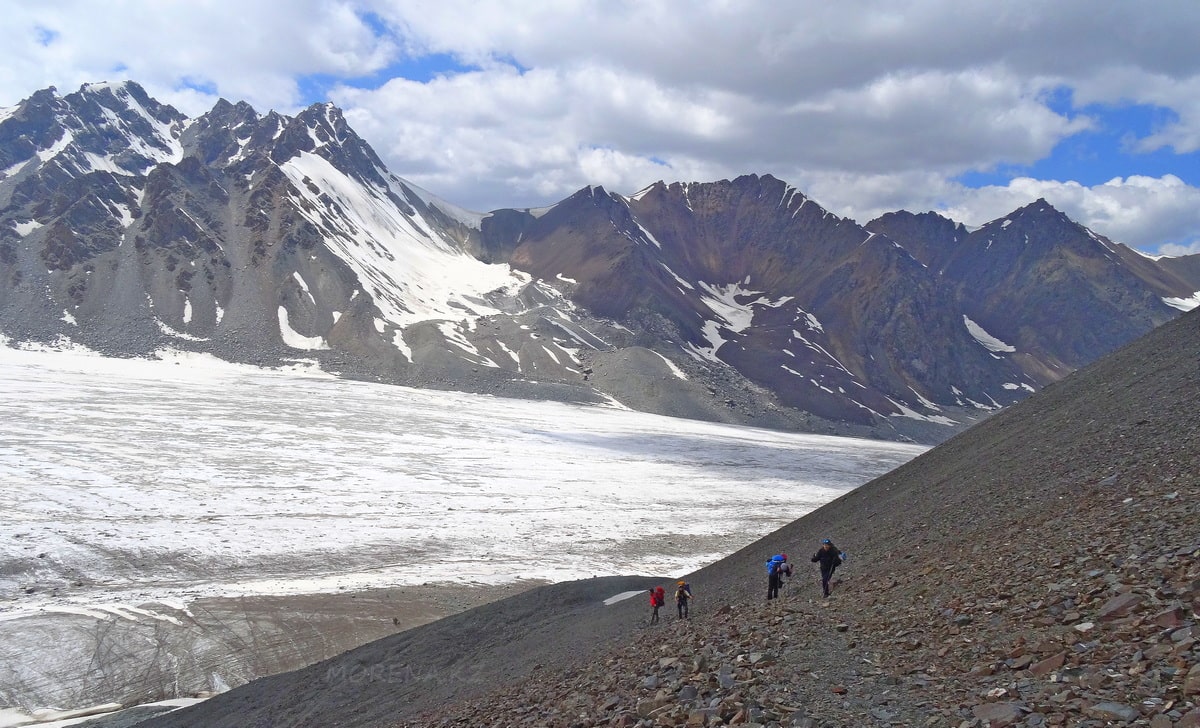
pixel 127 227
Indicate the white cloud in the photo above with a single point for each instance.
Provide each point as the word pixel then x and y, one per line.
pixel 1174 249
pixel 971 119
pixel 867 109
pixel 1181 133
pixel 1140 211
pixel 866 106
pixel 1155 214
pixel 250 50
pixel 498 137
pixel 863 197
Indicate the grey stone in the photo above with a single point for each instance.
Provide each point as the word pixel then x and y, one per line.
pixel 998 715
pixel 1113 711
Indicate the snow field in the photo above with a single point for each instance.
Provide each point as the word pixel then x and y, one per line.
pixel 130 481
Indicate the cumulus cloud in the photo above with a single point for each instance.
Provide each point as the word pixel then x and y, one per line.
pixel 867 107
pixel 1155 214
pixel 187 53
pixel 503 138
pixel 1137 210
pixel 1175 250
pixel 931 120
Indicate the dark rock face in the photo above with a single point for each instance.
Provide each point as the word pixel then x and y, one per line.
pixel 1060 294
pixel 849 323
pixel 128 227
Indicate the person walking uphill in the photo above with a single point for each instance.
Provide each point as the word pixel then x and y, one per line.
pixel 658 597
pixel 777 568
pixel 828 557
pixel 683 595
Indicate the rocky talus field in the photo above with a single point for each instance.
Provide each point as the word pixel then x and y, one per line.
pixel 1041 569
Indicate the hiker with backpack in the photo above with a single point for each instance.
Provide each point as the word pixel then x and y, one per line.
pixel 658 597
pixel 683 595
pixel 777 568
pixel 829 558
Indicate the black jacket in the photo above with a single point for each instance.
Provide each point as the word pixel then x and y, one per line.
pixel 828 558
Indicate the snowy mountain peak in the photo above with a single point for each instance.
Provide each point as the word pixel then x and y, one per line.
pixel 115 89
pixel 1037 213
pixel 127 227
pixel 597 193
pixel 239 113
pixel 646 190
pixel 107 127
pixel 327 123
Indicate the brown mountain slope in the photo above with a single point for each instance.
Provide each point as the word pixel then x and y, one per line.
pixel 1038 569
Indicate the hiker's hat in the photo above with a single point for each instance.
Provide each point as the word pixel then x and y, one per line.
pixel 828 542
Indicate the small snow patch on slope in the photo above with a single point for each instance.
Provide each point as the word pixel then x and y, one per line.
pixel 643 234
pixel 914 415
pixel 1015 386
pixel 454 335
pixel 297 340
pixel 818 348
pixel 303 286
pixel 722 301
pixel 682 283
pixel 1102 241
pixel 674 369
pixel 641 193
pixel 622 597
pixel 171 331
pixel 1184 304
pixel 989 342
pixel 55 149
pixel 586 338
pixel 731 314
pixel 13 169
pixel 24 228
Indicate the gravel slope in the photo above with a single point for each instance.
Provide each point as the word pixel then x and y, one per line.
pixel 466 654
pixel 1041 568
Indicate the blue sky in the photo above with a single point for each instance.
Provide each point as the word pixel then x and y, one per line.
pixel 1109 150
pixel 967 109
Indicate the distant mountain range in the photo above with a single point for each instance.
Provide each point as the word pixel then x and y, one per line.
pixel 127 227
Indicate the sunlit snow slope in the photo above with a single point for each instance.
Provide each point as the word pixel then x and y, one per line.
pixel 144 479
